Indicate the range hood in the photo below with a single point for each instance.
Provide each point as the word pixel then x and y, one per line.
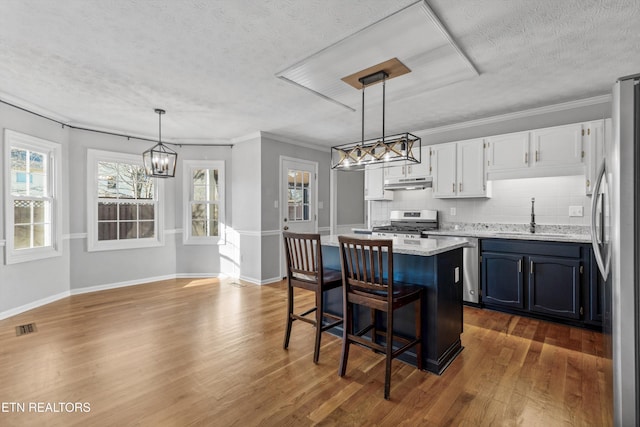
pixel 412 183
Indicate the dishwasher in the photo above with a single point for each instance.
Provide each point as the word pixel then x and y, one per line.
pixel 470 271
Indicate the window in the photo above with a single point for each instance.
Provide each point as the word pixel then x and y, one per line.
pixel 33 209
pixel 298 195
pixel 203 190
pixel 124 204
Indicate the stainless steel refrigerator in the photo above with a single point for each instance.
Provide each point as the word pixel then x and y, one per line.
pixel 616 242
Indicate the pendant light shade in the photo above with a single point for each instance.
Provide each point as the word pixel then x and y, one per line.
pixel 159 160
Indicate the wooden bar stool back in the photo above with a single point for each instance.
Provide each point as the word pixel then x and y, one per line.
pixel 304 270
pixel 367 280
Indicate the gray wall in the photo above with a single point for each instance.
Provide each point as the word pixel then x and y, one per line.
pixel 350 198
pixel 105 268
pixel 25 283
pixel 198 260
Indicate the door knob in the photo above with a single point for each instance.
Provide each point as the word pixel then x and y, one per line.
pixel 286 227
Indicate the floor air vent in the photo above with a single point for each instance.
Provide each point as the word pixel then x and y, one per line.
pixel 25 329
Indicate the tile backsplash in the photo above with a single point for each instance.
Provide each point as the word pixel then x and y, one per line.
pixel 510 203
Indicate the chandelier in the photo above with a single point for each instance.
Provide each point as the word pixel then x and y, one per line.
pixel 160 161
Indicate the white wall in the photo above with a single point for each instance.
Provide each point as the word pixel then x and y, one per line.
pixel 510 204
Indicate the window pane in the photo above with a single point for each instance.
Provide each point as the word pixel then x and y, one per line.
pixel 39 235
pixel 22 236
pixel 107 231
pixel 128 230
pixel 126 181
pixel 213 187
pixel 37 184
pixel 198 211
pixel 144 185
pixel 200 177
pixel 36 162
pixel 146 211
pixel 213 228
pixel 198 228
pixel 18 172
pixel 146 229
pixel 200 193
pixel 21 212
pixel 107 211
pixel 128 211
pixel 39 212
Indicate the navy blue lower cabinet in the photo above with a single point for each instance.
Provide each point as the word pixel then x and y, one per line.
pixel 554 286
pixel 503 279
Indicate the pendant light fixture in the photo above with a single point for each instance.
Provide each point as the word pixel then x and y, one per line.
pixel 159 160
pixel 387 148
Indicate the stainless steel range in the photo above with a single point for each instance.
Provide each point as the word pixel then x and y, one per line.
pixel 408 224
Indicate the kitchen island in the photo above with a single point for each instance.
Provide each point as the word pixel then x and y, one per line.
pixel 435 264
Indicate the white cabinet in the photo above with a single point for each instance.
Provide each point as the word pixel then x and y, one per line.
pixel 374 184
pixel 559 146
pixel 507 153
pixel 554 151
pixel 443 163
pixel 410 169
pixel 458 169
pixel 596 133
pixel 470 169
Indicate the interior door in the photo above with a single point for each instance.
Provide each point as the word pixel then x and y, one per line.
pixel 298 199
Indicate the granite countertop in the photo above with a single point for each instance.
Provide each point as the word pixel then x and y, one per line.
pixel 516 235
pixel 422 247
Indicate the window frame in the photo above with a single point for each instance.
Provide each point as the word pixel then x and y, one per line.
pixel 187 197
pixel 53 153
pixel 93 244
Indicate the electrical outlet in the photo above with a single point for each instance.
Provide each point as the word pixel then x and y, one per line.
pixel 452 211
pixel 576 211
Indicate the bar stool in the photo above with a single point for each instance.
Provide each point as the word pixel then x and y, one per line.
pixel 367 280
pixel 304 270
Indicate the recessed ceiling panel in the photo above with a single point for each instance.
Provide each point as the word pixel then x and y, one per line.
pixel 414 35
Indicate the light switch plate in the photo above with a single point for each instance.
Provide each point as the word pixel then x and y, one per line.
pixel 576 211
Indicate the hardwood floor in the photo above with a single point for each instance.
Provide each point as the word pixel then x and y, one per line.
pixel 209 352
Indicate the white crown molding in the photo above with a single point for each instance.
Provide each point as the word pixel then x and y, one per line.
pixel 292 141
pixel 32 107
pixel 518 114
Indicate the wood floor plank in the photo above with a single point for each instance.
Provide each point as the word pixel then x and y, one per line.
pixel 209 352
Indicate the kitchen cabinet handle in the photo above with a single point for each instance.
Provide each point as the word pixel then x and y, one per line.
pixel 526 157
pixel 537 156
pixel 519 266
pixel 453 188
pixel 531 267
pixel 460 188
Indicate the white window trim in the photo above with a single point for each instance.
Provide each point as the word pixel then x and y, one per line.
pixel 53 150
pixel 93 244
pixel 187 172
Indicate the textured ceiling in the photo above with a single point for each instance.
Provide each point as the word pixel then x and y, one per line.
pixel 212 64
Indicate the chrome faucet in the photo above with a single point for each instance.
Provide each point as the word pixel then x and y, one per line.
pixel 532 225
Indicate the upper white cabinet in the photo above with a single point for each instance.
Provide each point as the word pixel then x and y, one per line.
pixel 557 146
pixel 374 184
pixel 458 169
pixel 443 163
pixel 410 169
pixel 470 169
pixel 508 152
pixel 596 133
pixel 553 151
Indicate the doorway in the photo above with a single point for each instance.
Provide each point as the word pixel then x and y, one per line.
pixel 298 199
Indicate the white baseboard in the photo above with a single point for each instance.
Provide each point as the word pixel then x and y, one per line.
pixel 32 305
pixel 259 281
pixel 107 286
